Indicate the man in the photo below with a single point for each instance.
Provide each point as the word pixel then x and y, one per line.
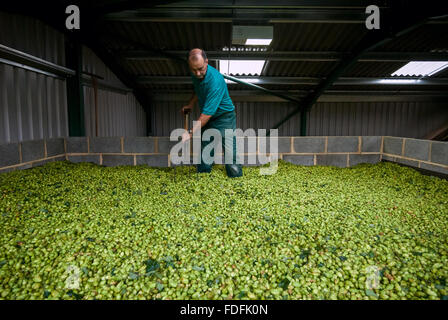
pixel 217 109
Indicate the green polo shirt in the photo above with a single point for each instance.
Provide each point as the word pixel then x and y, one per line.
pixel 212 93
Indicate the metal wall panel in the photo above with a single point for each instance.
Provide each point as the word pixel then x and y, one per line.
pixel 118 114
pixel 166 117
pixel 93 64
pixel 32 106
pixel 264 115
pixel 256 115
pixel 403 119
pixel 32 36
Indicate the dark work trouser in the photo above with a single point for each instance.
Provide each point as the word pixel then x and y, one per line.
pixel 221 123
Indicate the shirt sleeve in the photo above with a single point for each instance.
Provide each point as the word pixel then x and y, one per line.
pixel 213 99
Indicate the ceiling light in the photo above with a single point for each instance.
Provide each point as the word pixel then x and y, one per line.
pixel 399 81
pixel 252 35
pixel 258 42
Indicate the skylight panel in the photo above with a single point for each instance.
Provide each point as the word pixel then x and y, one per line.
pixel 421 68
pixel 241 67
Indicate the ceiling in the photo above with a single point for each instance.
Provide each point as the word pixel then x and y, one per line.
pixel 317 46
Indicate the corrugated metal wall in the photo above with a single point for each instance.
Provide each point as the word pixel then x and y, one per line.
pixel 166 117
pixel 264 115
pixel 403 119
pixel 119 114
pixel 92 64
pixel 32 105
pixel 33 37
pixel 256 115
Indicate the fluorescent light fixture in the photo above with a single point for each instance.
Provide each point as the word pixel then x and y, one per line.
pixel 399 81
pixel 258 42
pixel 243 67
pixel 421 68
pixel 242 34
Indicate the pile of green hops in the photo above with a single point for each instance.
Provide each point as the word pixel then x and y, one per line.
pixel 83 231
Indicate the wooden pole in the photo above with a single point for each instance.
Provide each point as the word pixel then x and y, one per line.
pixel 95 93
pixel 186 120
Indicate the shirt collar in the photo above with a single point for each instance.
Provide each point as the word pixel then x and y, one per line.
pixel 207 76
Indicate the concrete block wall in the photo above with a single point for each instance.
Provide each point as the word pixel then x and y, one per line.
pixel 339 151
pixel 119 151
pixel 151 151
pixel 336 151
pixel 424 154
pixel 29 154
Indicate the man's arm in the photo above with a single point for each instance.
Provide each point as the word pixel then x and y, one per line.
pixel 193 100
pixel 191 104
pixel 202 121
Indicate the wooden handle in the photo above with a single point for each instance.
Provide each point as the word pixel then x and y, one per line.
pixel 186 118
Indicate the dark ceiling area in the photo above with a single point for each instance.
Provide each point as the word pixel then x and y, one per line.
pixel 317 46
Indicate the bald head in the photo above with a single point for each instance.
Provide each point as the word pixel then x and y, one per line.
pixel 196 54
pixel 198 62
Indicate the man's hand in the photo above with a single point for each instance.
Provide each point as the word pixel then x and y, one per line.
pixel 186 109
pixel 186 136
pixel 202 121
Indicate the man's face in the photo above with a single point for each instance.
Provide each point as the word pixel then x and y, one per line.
pixel 198 67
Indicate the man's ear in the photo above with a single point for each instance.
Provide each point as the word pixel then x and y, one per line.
pixel 206 61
